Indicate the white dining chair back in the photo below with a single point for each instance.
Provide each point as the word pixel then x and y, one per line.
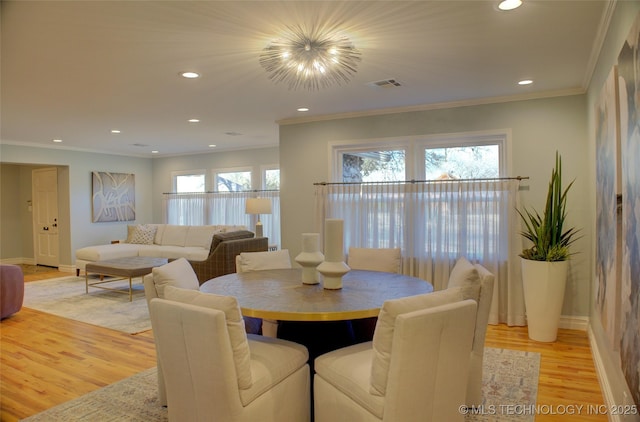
pixel 257 261
pixel 476 283
pixel 386 260
pixel 415 370
pixel 207 379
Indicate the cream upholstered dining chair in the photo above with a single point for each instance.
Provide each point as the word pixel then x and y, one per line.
pixel 476 283
pixel 215 371
pixel 178 273
pixel 387 260
pixel 415 369
pixel 257 261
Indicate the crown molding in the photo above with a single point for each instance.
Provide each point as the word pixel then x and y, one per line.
pixel 435 106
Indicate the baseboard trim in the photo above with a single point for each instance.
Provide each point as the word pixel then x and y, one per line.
pixel 574 322
pixel 18 261
pixel 605 385
pixel 67 268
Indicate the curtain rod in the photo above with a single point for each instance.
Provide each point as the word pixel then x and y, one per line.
pixel 488 179
pixel 235 191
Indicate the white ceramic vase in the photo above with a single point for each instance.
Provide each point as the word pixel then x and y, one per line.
pixel 310 257
pixel 333 267
pixel 544 284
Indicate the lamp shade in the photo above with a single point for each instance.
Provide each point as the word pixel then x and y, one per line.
pixel 258 206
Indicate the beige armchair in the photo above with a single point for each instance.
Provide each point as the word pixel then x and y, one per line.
pixel 414 370
pixel 215 371
pixel 224 249
pixel 476 283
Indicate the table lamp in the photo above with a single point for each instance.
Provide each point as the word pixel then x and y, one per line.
pixel 258 206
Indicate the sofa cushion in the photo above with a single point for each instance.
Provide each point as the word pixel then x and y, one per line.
pixel 235 325
pixel 105 252
pixel 201 236
pixel 268 260
pixel 178 273
pixel 174 235
pixel 385 327
pixel 159 232
pixel 143 235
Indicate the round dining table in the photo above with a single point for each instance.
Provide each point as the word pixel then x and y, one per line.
pixel 281 295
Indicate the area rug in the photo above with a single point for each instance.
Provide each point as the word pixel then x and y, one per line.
pixel 66 297
pixel 510 379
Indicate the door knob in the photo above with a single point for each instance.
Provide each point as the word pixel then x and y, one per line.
pixel 45 228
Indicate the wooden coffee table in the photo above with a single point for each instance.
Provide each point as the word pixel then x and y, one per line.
pixel 124 268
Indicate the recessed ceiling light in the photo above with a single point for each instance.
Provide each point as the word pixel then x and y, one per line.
pixel 194 120
pixel 115 131
pixel 212 146
pixel 509 4
pixel 303 109
pixel 190 75
pixel 154 152
pixel 57 141
pixel 525 82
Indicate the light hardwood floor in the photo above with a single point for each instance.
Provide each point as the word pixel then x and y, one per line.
pixel 47 360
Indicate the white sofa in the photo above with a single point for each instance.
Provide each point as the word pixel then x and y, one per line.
pixel 169 241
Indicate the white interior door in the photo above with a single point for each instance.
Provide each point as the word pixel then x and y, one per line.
pixel 45 216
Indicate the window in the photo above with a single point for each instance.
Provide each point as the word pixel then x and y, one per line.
pixel 271 179
pixel 457 156
pixel 189 181
pixel 372 165
pixel 233 181
pixel 447 215
pixel 465 162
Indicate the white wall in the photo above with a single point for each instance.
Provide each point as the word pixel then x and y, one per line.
pixel 607 359
pixel 538 127
pixel 75 170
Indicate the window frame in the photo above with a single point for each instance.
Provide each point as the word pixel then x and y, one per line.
pixel 197 172
pixel 216 172
pixel 415 147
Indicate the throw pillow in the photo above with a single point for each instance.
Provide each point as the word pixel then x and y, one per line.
pixel 385 327
pixel 144 235
pixel 130 230
pixel 178 273
pixel 235 326
pixel 268 260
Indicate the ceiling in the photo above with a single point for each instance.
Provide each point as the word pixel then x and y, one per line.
pixel 76 70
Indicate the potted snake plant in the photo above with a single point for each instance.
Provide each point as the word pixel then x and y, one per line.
pixel 545 262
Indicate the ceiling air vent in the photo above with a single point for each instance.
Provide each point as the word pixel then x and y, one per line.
pixel 385 83
pixel 140 145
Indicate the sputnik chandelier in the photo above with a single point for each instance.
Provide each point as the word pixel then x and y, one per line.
pixel 310 59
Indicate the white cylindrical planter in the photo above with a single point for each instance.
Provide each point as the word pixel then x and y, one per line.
pixel 333 267
pixel 310 257
pixel 544 284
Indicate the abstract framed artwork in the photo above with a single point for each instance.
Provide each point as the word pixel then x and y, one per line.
pixel 629 93
pixel 113 197
pixel 607 187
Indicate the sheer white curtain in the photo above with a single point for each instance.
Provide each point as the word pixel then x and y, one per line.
pixel 434 223
pixel 222 208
